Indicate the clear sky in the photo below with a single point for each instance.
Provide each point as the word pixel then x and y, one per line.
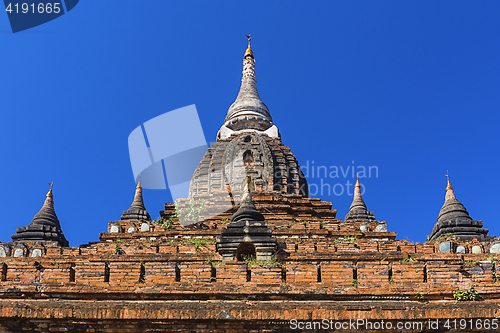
pixel 408 87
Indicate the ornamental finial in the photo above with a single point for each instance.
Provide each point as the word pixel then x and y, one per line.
pixel 357 180
pixel 139 182
pixel 49 194
pixel 448 187
pixel 248 184
pixel 249 49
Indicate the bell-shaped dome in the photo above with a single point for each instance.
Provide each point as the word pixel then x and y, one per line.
pixel 271 164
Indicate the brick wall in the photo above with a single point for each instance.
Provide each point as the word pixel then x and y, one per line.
pixel 443 273
pixel 266 274
pixel 337 272
pixel 404 272
pixel 301 272
pixel 160 272
pixel 232 272
pixel 195 272
pixel 372 272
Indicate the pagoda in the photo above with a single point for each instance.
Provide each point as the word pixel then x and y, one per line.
pixel 247 251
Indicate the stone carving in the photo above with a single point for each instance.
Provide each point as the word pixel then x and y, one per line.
pixel 18 253
pixel 114 228
pixel 5 250
pixel 381 227
pixel 477 249
pixel 495 248
pixel 445 247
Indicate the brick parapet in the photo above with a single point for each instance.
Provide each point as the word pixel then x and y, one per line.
pixel 197 273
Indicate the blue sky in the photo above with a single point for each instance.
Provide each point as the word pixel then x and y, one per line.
pixel 411 87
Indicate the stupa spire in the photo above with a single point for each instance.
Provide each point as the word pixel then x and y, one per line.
pixel 357 210
pixel 249 52
pixel 247 208
pixel 448 187
pixel 49 193
pixel 137 210
pixel 49 197
pixel 248 113
pixel 449 190
pixel 357 189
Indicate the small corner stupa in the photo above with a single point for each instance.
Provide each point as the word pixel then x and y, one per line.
pixel 137 210
pixel 248 234
pixel 454 219
pixel 358 211
pixel 44 227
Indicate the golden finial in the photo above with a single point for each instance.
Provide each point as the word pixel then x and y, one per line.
pixel 249 49
pixel 247 184
pixel 139 182
pixel 49 194
pixel 448 187
pixel 357 180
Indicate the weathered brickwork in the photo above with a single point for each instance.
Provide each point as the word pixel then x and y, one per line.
pixel 440 272
pixel 232 272
pixel 408 272
pixel 373 272
pixel 302 272
pixel 160 272
pixel 340 267
pixel 477 272
pixel 337 272
pixel 266 274
pixel 195 272
pixel 124 273
pixel 91 273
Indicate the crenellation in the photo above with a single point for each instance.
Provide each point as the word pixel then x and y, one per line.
pixel 408 271
pixel 301 272
pixel 373 272
pixel 266 274
pixel 231 272
pixel 443 272
pixel 195 272
pixel 337 272
pixel 159 273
